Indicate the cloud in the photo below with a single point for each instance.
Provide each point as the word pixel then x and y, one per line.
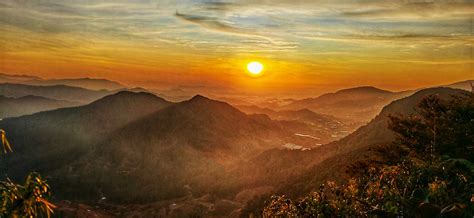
pixel 242 26
pixel 211 23
pixel 411 10
pixel 216 24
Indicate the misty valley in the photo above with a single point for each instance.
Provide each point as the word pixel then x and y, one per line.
pixel 128 152
pixel 236 108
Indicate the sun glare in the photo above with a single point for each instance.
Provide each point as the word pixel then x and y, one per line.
pixel 255 68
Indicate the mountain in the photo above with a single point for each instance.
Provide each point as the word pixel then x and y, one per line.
pixel 467 85
pixel 305 123
pixel 376 132
pixel 197 155
pixel 87 83
pixel 129 150
pixel 358 105
pixel 184 149
pixel 7 78
pixel 330 162
pixel 48 140
pixel 174 94
pixel 58 92
pixel 14 107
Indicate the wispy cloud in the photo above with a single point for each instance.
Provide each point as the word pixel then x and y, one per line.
pixel 327 36
pixel 215 24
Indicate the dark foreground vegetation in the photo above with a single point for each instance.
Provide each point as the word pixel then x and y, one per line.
pixel 427 172
pixel 24 200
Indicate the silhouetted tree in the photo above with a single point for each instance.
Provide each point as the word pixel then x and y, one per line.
pixel 439 127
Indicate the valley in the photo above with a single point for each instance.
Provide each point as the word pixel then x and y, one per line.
pixel 136 153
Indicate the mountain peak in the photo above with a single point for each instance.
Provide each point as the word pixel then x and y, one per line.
pixel 203 106
pixel 130 93
pixel 199 98
pixel 365 89
pixel 126 97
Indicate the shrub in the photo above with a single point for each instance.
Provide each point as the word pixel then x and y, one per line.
pixel 27 200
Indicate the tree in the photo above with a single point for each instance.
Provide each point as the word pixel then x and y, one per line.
pixel 433 177
pixel 27 200
pixel 439 127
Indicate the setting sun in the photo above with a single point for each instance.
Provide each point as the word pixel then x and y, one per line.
pixel 255 68
pixel 238 107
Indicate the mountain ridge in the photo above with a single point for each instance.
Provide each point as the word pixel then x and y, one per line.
pixel 58 92
pixel 358 105
pixel 84 82
pixel 53 135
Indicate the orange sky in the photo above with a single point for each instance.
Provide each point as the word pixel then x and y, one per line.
pixel 307 47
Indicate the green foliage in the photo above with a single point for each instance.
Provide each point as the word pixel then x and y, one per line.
pixel 387 191
pixel 27 200
pixel 439 128
pixel 5 143
pixel 435 178
pixel 280 206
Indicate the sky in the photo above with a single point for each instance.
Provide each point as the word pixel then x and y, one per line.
pixel 307 47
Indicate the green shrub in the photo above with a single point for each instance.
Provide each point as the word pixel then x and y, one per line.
pixel 27 200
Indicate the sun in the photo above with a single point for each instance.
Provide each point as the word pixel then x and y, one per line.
pixel 255 68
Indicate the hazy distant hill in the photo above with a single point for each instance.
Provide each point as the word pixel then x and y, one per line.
pixel 14 107
pixel 464 85
pixel 48 140
pixel 305 123
pixel 359 104
pixel 58 92
pixel 274 102
pixel 87 83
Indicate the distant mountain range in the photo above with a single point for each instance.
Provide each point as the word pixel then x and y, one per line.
pixel 87 83
pixel 13 107
pixel 135 147
pixel 57 92
pixel 357 105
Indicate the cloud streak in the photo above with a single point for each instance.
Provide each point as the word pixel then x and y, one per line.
pixel 215 24
pixel 301 37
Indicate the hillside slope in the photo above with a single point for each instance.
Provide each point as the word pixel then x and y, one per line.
pixel 48 140
pixel 14 107
pixel 188 146
pixel 335 157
